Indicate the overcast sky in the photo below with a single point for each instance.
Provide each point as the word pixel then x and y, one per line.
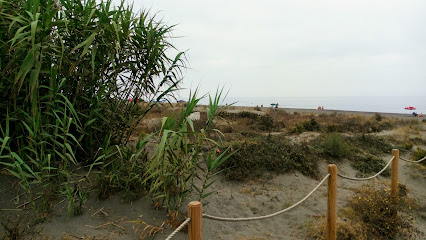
pixel 280 48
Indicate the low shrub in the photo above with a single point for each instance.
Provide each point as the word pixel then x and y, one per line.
pixel 373 214
pixel 261 122
pixel 362 149
pixel 332 145
pixel 356 124
pixel 265 123
pixel 407 146
pixel 378 117
pixel 370 165
pixel 271 153
pixel 250 115
pixel 383 215
pixel 306 126
pixel 330 128
pixel 374 145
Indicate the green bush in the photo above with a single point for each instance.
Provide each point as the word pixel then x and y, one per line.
pixel 374 145
pixel 333 145
pixel 249 115
pixel 265 123
pixel 378 117
pixel 307 126
pixel 370 165
pixel 256 156
pixel 362 149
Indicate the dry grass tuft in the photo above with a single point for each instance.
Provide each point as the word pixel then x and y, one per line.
pixel 345 230
pixel 373 214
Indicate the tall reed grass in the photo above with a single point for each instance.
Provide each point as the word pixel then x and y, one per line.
pixel 67 70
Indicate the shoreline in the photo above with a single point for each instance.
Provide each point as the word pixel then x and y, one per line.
pixel 329 111
pixel 332 111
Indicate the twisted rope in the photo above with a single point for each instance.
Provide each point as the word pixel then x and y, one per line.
pixel 178 229
pixel 266 216
pixel 368 178
pixel 403 159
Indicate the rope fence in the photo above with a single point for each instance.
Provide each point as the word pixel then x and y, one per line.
pixel 195 208
pixel 224 219
pixel 182 225
pixel 367 178
pixel 411 161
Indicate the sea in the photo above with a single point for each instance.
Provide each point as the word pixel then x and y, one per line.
pixel 380 104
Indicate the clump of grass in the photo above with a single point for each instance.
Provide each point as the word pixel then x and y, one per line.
pixel 271 153
pixel 123 171
pixel 419 154
pixel 345 230
pixel 332 145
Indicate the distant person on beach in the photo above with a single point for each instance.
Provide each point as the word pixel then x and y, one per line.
pixel 261 106
pixel 319 108
pixel 421 115
pixel 322 108
pixel 276 106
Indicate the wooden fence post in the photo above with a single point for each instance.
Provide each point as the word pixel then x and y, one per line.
pixel 195 213
pixel 394 173
pixel 332 202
